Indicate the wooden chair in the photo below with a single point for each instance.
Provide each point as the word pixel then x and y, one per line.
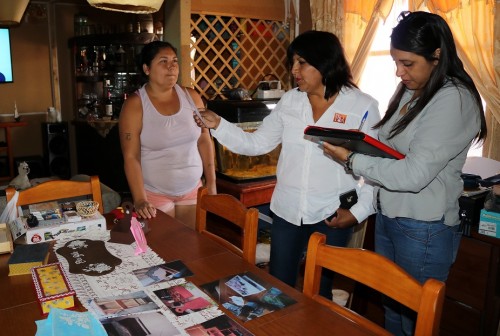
pixel 57 190
pixel 379 273
pixel 231 209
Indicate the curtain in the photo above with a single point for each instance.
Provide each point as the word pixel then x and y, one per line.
pixel 478 43
pixel 354 22
pixel 328 15
pixel 361 23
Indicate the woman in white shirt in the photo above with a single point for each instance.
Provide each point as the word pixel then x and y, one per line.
pixel 308 182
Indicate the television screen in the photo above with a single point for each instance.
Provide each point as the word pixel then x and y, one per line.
pixel 5 57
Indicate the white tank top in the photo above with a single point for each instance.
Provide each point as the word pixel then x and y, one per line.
pixel 171 162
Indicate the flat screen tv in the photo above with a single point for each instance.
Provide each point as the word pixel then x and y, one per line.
pixel 5 57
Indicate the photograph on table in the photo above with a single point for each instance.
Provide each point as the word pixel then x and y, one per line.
pixel 184 299
pixel 113 306
pixel 165 272
pixel 247 296
pixel 221 325
pixel 151 323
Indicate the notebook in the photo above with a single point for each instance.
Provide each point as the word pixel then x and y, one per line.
pixel 27 256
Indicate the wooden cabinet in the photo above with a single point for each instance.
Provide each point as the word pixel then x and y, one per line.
pixel 472 302
pixel 250 193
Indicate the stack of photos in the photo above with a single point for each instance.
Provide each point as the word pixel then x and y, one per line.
pixel 247 296
pixel 168 305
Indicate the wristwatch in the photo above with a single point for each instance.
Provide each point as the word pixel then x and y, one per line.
pixel 348 161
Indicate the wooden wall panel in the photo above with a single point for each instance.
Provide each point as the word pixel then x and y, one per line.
pixel 257 9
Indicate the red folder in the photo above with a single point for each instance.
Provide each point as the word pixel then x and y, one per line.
pixel 354 140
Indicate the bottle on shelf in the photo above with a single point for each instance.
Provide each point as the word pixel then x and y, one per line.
pixel 108 105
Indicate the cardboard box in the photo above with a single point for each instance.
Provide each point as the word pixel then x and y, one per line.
pixel 52 287
pixel 489 223
pixel 50 230
pixel 6 244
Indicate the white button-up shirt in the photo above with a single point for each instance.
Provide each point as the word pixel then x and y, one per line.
pixel 308 182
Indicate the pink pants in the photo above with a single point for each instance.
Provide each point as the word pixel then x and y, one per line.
pixel 166 203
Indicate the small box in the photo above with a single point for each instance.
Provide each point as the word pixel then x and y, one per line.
pixel 52 287
pixel 50 230
pixel 489 223
pixel 71 216
pixel 6 244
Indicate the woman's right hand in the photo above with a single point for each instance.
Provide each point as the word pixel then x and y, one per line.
pixel 210 119
pixel 144 209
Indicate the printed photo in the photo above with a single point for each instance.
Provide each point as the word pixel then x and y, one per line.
pixel 184 299
pixel 164 272
pixel 152 324
pixel 247 296
pixel 219 326
pixel 120 305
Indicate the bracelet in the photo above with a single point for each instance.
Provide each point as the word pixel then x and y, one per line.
pixel 348 161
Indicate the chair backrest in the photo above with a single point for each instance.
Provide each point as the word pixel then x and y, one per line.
pixel 232 210
pixel 57 190
pixel 379 273
pixel 358 235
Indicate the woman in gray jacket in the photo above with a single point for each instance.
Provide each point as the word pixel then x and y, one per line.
pixel 433 118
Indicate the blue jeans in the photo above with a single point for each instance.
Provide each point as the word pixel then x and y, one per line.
pixel 423 249
pixel 288 244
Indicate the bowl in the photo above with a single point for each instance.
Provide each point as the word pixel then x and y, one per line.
pixel 87 208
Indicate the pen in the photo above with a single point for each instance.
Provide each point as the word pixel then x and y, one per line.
pixel 363 121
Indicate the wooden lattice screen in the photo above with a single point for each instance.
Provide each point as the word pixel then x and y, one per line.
pixel 229 52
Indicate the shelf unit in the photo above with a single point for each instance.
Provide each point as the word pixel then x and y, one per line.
pixel 105 63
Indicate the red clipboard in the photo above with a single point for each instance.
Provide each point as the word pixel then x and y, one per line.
pixel 354 140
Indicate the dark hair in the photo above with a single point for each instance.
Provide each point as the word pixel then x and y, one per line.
pixel 422 33
pixel 323 51
pixel 150 50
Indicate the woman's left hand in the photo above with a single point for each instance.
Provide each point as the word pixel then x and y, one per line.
pixel 344 219
pixel 336 152
pixel 211 188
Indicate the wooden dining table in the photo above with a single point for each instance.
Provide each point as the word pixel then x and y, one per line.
pixel 209 261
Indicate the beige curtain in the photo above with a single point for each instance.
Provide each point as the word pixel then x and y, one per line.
pixel 354 22
pixel 477 39
pixel 361 23
pixel 328 15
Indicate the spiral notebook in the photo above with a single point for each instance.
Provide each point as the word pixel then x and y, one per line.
pixel 353 140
